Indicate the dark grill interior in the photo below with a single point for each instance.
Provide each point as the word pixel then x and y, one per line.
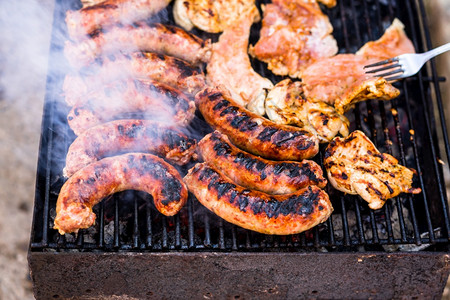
pixel 407 127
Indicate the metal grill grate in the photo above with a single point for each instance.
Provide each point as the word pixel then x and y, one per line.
pixel 404 127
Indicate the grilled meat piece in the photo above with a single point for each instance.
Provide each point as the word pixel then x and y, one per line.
pixel 169 70
pixel 211 15
pixel 230 66
pixel 286 104
pixel 157 38
pixel 355 166
pixel 123 136
pixel 254 172
pixel 328 3
pixel 341 80
pixel 294 34
pixel 253 133
pixel 105 14
pixel 132 171
pixel 254 210
pixel 147 98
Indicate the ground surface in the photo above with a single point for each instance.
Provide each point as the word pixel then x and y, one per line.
pixel 24 40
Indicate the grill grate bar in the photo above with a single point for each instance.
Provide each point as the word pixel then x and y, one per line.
pixel 101 235
pixel 441 111
pixel 149 239
pixel 116 223
pixel 136 232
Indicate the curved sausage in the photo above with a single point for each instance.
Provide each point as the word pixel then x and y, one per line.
pixel 122 136
pixel 107 13
pixel 151 99
pixel 254 133
pixel 132 171
pixel 257 211
pixel 254 172
pixel 158 38
pixel 168 70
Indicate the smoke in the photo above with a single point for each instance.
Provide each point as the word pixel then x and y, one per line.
pixel 25 28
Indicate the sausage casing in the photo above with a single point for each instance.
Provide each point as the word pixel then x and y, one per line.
pixel 257 211
pixel 158 38
pixel 272 177
pixel 122 136
pixel 254 133
pixel 132 171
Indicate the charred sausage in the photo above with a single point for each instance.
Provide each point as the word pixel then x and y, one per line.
pixel 133 171
pixel 254 133
pixel 254 210
pixel 88 20
pixel 151 99
pixel 122 136
pixel 168 70
pixel 157 38
pixel 254 172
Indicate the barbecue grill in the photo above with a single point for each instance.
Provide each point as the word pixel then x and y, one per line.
pixel 400 250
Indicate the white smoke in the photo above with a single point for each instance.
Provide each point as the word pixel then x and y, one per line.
pixel 25 28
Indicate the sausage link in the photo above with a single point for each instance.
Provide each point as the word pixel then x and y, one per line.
pixel 254 133
pixel 151 99
pixel 158 38
pixel 254 210
pixel 132 171
pixel 88 20
pixel 122 136
pixel 254 172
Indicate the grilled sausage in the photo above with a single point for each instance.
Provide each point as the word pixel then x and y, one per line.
pixel 254 133
pixel 172 71
pixel 151 99
pixel 133 171
pixel 158 38
pixel 107 13
pixel 129 136
pixel 254 210
pixel 254 172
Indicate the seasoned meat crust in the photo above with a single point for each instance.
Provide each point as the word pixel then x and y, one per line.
pixel 252 132
pixel 355 166
pixel 132 171
pixel 123 136
pixel 156 37
pixel 254 172
pixel 81 23
pixel 147 98
pixel 254 210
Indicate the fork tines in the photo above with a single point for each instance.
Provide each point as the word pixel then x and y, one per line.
pixel 388 64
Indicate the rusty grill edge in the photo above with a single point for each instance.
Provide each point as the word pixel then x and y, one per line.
pixel 358 252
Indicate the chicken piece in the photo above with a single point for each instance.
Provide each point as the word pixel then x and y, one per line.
pixel 328 3
pixel 341 80
pixel 231 70
pixel 294 34
pixel 209 15
pixel 355 166
pixel 286 104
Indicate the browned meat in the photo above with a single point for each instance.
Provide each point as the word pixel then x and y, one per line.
pixel 294 34
pixel 211 15
pixel 254 172
pixel 157 38
pixel 286 104
pixel 146 98
pixel 355 166
pixel 108 13
pixel 123 136
pixel 341 80
pixel 230 66
pixel 254 210
pixel 253 133
pixel 141 65
pixel 132 171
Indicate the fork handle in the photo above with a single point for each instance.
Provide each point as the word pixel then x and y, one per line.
pixel 436 51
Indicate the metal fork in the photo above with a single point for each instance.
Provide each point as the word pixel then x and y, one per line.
pixel 404 65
